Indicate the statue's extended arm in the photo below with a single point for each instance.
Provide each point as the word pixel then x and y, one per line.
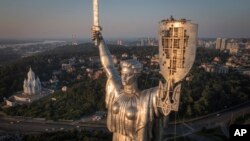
pixel 106 58
pixel 114 81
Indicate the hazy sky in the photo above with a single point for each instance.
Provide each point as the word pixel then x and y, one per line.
pixel 120 18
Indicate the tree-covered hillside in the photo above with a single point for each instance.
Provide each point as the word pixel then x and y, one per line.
pixel 202 94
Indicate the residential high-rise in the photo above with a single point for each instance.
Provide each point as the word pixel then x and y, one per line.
pixel 119 42
pixel 218 43
pixel 223 44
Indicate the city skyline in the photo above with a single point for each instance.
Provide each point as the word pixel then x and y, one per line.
pixel 121 19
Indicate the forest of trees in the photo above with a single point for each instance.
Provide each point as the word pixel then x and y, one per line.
pixel 206 93
pixel 210 92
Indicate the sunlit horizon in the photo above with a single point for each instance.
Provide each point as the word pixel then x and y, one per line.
pixel 58 19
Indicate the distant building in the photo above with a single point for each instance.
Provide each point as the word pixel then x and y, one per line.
pixel 148 42
pixel 206 43
pixel 79 77
pixel 119 42
pixel 210 44
pixel 94 74
pixel 95 59
pixel 216 60
pixel 223 44
pixel 68 67
pixel 155 60
pixel 64 88
pixel 89 70
pixel 208 67
pixel 218 43
pixel 97 74
pixel 81 60
pixel 233 48
pixel 232 64
pixel 213 68
pixel 247 45
pixel 124 56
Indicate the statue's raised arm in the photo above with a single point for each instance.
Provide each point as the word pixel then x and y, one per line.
pixel 114 80
pixel 106 57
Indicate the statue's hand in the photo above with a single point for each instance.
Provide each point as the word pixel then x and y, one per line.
pixel 96 34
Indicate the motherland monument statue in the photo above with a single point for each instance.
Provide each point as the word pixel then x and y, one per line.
pixel 138 115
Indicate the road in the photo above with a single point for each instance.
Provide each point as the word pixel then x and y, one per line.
pixel 218 119
pixel 29 125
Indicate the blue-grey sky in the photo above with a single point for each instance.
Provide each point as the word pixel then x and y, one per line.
pixel 120 18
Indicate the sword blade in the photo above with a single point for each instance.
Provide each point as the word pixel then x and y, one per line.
pixel 96 14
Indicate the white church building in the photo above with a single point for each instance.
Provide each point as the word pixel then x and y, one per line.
pixel 32 91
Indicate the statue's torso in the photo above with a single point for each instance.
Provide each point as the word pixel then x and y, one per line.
pixel 124 114
pixel 129 113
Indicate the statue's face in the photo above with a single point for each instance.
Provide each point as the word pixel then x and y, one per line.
pixel 128 76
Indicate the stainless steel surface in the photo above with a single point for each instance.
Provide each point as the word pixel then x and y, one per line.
pixel 96 27
pixel 96 13
pixel 135 115
pixel 131 112
pixel 177 49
